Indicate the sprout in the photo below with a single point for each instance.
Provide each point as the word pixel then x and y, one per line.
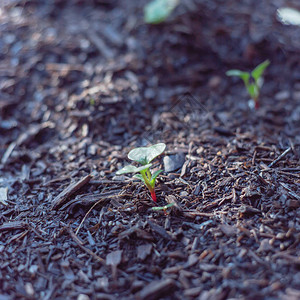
pixel 255 76
pixel 144 156
pixel 158 11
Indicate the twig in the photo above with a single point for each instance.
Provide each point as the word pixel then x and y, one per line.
pixel 78 228
pixel 282 155
pixel 290 191
pixel 70 190
pixel 87 250
pixel 99 43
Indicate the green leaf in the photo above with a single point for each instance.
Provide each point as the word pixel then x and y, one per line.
pixel 132 169
pixel 154 176
pixel 139 176
pixel 253 91
pixel 259 70
pixel 145 155
pixel 243 75
pixel 162 207
pixel 157 11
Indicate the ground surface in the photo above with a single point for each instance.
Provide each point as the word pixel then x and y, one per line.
pixel 81 85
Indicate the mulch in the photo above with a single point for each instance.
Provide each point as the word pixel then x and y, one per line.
pixel 84 82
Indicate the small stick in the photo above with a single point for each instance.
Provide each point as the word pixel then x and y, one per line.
pixel 99 43
pixel 282 155
pixel 69 191
pixel 254 157
pixel 87 250
pixel 77 230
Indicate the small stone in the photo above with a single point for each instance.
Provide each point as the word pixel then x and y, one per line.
pixel 156 289
pixel 137 285
pixel 292 203
pixel 114 258
pixel 282 95
pixel 119 178
pixel 228 229
pixel 174 162
pixel 92 150
pixel 83 297
pixel 264 246
pixel 33 269
pixel 143 251
pixel 193 292
pixel 214 82
pixel 184 193
pixel 102 284
pixel 275 286
pixel 29 289
pixel 296 96
pixel 149 93
pixel 280 236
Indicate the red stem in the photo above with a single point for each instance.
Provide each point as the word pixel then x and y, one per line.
pixel 153 195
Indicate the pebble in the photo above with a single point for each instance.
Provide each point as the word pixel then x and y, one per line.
pixel 174 162
pixel 282 95
pixel 292 203
pixel 184 193
pixel 83 297
pixel 296 96
pixel 214 82
pixel 29 289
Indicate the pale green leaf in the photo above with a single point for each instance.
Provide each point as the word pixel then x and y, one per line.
pixel 139 176
pixel 259 70
pixel 158 11
pixel 163 207
pixel 154 176
pixel 253 91
pixel 145 155
pixel 132 169
pixel 243 75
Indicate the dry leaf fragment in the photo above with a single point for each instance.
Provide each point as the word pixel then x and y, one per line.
pixel 114 258
pixel 143 251
pixel 3 195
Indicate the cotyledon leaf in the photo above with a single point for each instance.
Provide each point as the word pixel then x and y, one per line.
pixel 144 155
pixel 132 169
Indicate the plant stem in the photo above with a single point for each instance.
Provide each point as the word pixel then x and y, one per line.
pixel 153 195
pixel 147 183
pixel 148 174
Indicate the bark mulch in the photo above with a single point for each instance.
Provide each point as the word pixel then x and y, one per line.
pixel 82 83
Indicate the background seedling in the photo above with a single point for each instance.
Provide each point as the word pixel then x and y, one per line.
pixel 253 81
pixel 144 155
pixel 158 11
pixel 164 208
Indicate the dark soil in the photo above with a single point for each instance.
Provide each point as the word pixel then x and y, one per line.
pixel 82 83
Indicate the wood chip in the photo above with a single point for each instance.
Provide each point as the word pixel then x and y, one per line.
pixel 69 191
pixel 156 289
pixel 159 230
pixel 13 225
pixel 143 251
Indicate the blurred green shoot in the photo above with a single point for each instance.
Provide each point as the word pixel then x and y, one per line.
pixel 253 81
pixel 158 11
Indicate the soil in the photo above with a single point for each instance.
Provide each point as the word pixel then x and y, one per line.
pixel 82 83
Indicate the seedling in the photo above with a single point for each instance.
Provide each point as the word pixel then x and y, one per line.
pixel 144 156
pixel 253 81
pixel 164 208
pixel 158 11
